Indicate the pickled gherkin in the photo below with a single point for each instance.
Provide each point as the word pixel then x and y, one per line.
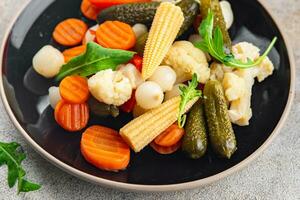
pixel 214 6
pixel 221 135
pixel 194 142
pixel 141 43
pixel 133 13
pixel 101 109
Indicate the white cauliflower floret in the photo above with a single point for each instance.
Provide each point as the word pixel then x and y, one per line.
pixel 134 76
pixel 217 71
pixel 265 69
pixel 244 50
pixel 186 60
pixel 240 111
pixel 234 86
pixel 110 87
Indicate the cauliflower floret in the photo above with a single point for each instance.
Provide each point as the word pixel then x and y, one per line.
pixel 110 87
pixel 234 86
pixel 238 83
pixel 244 50
pixel 265 69
pixel 132 74
pixel 240 111
pixel 186 60
pixel 217 71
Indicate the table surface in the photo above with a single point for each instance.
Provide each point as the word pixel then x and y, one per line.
pixel 274 175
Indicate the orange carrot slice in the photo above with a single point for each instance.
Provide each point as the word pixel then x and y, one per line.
pixel 170 137
pixel 104 148
pixel 71 117
pixel 115 35
pixel 89 10
pixel 70 32
pixel 74 89
pixel 165 150
pixel 73 52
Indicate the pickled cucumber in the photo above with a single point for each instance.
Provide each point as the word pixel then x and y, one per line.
pixel 101 109
pixel 221 135
pixel 144 13
pixel 141 43
pixel 194 142
pixel 214 6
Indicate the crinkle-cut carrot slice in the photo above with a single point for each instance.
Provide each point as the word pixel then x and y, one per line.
pixel 170 136
pixel 74 89
pixel 115 35
pixel 71 117
pixel 70 32
pixel 73 52
pixel 89 10
pixel 104 148
pixel 165 150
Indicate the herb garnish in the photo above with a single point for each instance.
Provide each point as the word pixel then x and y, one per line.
pixel 188 93
pixel 13 158
pixel 95 59
pixel 213 44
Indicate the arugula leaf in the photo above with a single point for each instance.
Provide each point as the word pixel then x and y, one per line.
pixel 213 43
pixel 188 93
pixel 96 58
pixel 13 159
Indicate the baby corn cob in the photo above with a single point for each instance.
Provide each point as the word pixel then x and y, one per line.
pixel 165 27
pixel 143 130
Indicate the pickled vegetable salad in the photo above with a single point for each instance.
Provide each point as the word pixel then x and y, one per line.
pixel 131 62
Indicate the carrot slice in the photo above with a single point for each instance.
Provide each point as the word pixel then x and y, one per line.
pixel 70 32
pixel 89 10
pixel 165 150
pixel 74 89
pixel 170 137
pixel 104 148
pixel 71 117
pixel 115 35
pixel 73 52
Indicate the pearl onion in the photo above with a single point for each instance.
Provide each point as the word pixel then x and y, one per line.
pixel 48 61
pixel 139 30
pixel 165 77
pixel 149 95
pixel 54 96
pixel 227 13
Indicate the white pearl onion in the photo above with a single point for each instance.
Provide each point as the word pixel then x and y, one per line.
pixel 149 95
pixel 54 96
pixel 139 30
pixel 227 13
pixel 48 61
pixel 165 77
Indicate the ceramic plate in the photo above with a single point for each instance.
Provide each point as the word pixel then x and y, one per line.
pixel 24 94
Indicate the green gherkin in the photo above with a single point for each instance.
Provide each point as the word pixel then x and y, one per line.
pixel 214 6
pixel 221 134
pixel 194 142
pixel 144 13
pixel 141 43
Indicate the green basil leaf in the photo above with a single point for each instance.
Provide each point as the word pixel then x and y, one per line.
pixel 95 59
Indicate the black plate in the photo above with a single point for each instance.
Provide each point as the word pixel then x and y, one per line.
pixel 24 90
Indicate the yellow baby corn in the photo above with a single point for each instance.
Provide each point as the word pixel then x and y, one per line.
pixel 165 27
pixel 141 131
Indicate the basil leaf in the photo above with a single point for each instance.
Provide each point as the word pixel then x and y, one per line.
pixel 13 158
pixel 96 58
